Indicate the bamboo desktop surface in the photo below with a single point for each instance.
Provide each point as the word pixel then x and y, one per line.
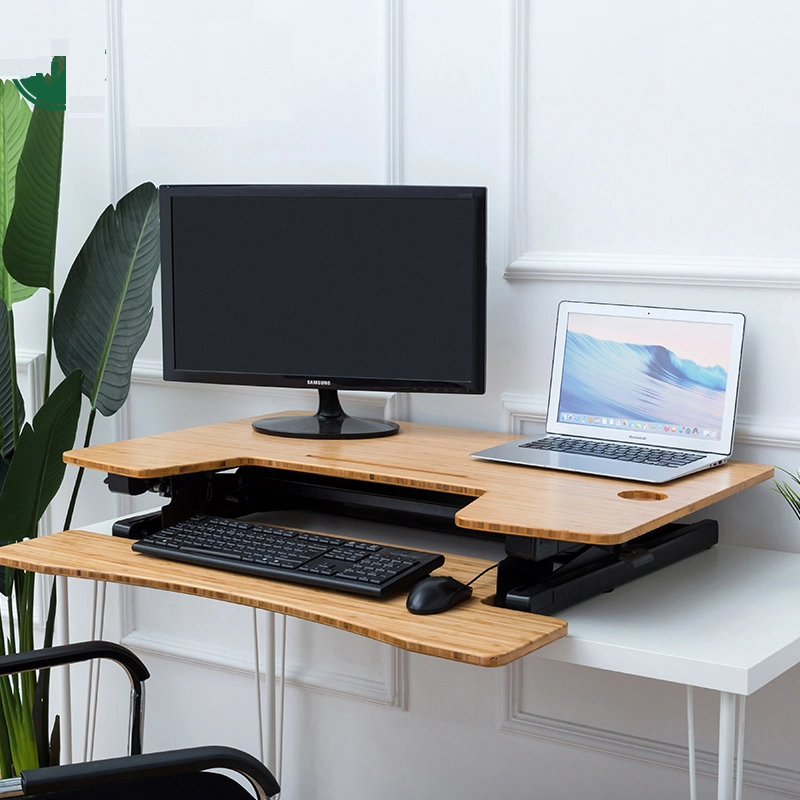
pixel 472 633
pixel 499 498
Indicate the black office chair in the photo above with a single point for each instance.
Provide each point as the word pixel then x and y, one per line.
pixel 172 775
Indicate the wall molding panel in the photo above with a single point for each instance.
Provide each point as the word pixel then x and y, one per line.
pixel 524 263
pixel 768 432
pixel 520 408
pixel 394 90
pixel 517 211
pixel 115 102
pixel 514 719
pixel 390 691
pixel 739 273
pixel 30 372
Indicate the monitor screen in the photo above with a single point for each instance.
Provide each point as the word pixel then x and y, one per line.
pixel 333 287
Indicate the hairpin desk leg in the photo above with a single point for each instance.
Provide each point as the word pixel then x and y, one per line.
pixel 62 623
pixel 740 748
pixel 99 590
pixel 692 751
pixel 731 746
pixel 271 712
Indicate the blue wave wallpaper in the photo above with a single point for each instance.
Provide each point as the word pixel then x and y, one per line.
pixel 639 382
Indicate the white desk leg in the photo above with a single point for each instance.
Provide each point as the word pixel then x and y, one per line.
pixel 90 682
pixel 62 636
pixel 740 749
pixel 271 750
pixel 727 742
pixel 271 707
pixel 281 699
pixel 262 747
pixel 692 751
pixel 93 685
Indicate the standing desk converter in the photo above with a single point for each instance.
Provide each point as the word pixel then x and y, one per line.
pixel 428 461
pixel 549 509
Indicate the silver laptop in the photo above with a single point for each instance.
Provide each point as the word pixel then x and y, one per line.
pixel 646 394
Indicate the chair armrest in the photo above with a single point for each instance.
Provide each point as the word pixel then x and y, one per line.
pixel 73 654
pixel 151 765
pixel 47 657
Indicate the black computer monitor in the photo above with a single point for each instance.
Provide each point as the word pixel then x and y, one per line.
pixel 377 288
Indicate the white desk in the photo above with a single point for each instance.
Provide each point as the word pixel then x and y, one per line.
pixel 725 619
pixel 498 499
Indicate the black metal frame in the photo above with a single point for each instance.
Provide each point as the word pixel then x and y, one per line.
pixel 544 576
pixel 38 782
pixel 135 766
pixel 49 657
pixel 538 575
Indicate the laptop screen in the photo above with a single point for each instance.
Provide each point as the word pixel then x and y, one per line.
pixel 665 376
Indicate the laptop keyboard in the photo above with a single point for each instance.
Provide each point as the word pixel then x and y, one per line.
pixel 636 454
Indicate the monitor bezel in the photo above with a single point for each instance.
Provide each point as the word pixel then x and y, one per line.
pixel 476 384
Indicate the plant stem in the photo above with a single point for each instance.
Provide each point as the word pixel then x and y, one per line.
pixel 79 476
pixel 12 640
pixel 12 354
pixel 6 759
pixel 50 624
pixel 43 711
pixel 49 360
pixel 25 622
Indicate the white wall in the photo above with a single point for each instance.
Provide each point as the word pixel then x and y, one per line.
pixel 633 152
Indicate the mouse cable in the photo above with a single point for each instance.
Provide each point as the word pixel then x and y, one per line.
pixel 481 574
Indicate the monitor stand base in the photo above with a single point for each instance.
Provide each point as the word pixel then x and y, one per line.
pixel 330 422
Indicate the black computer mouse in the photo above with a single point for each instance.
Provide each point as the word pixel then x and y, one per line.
pixel 437 593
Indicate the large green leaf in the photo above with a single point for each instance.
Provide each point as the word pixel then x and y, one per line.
pixel 15 116
pixel 37 468
pixel 30 246
pixel 106 305
pixel 8 386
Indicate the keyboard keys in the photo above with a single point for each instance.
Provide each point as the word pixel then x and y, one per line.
pixel 290 555
pixel 639 454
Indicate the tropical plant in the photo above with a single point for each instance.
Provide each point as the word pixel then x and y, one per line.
pixel 790 490
pixel 96 328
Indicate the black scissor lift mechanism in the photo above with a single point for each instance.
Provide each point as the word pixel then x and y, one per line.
pixel 541 576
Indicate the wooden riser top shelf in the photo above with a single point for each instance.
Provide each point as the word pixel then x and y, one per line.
pixel 472 633
pixel 507 499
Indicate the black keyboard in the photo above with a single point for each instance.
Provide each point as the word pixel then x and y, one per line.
pixel 615 450
pixel 286 554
